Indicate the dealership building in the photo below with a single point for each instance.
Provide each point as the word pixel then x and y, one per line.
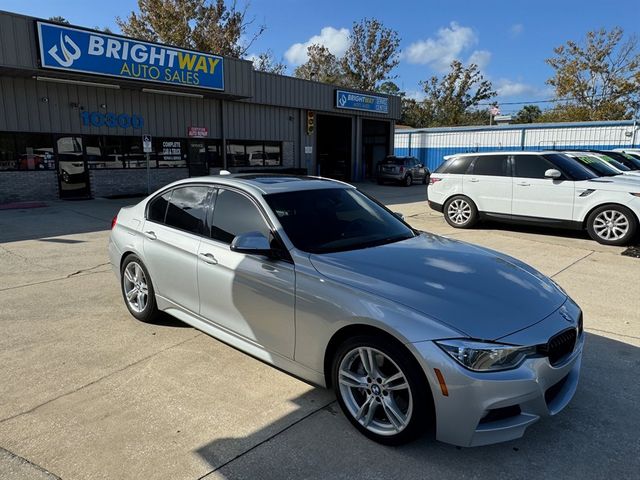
pixel 88 114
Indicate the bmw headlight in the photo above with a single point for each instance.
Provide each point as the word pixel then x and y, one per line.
pixel 485 357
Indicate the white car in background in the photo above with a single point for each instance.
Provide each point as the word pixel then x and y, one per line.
pixel 543 188
pixel 604 166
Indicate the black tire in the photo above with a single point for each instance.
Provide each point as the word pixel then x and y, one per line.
pixel 420 414
pixel 621 218
pixel 458 222
pixel 150 311
pixel 408 180
pixel 424 179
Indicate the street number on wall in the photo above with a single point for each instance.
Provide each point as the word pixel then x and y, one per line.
pixel 111 120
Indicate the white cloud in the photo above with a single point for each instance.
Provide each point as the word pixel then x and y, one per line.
pixel 336 40
pixel 513 88
pixel 516 29
pixel 415 95
pixel 480 58
pixel 440 51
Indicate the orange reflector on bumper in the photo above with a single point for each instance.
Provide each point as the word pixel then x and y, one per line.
pixel 443 385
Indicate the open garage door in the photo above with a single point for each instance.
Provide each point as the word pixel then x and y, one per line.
pixel 375 144
pixel 334 146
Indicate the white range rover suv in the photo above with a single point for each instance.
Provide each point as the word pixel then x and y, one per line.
pixel 544 188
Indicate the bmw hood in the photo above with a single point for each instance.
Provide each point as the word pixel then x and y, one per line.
pixel 477 291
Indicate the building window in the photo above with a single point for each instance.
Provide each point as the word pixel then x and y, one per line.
pixel 26 151
pixel 254 154
pixel 170 152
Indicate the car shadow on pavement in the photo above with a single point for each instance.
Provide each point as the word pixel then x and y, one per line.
pixel 59 219
pixel 594 437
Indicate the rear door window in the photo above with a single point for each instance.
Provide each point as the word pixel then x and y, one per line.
pixel 187 208
pixel 157 210
pixel 492 165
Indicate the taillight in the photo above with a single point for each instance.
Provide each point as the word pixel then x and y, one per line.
pixel 114 220
pixel 433 180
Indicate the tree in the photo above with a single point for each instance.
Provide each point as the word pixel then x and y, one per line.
pixel 265 62
pixel 390 88
pixel 371 55
pixel 453 97
pixel 528 114
pixel 209 26
pixel 321 66
pixel 59 19
pixel 600 79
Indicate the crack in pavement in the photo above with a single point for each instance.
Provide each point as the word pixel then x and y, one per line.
pixel 573 263
pixel 24 460
pixel 83 272
pixel 93 382
pixel 271 437
pixel 23 258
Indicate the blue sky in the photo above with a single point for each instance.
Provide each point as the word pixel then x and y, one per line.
pixel 509 39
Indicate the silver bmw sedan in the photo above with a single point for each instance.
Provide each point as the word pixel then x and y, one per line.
pixel 310 275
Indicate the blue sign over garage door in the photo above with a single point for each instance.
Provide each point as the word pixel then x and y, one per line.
pixel 78 50
pixel 361 101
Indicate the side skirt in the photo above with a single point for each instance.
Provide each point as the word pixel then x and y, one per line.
pixel 525 220
pixel 243 344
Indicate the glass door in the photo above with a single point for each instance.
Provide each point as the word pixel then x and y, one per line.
pixel 73 174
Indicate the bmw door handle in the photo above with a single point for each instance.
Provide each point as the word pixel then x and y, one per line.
pixel 150 235
pixel 524 184
pixel 474 180
pixel 208 258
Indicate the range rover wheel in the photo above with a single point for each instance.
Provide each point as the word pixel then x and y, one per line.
pixel 612 225
pixel 460 212
pixel 408 180
pixel 137 289
pixel 381 390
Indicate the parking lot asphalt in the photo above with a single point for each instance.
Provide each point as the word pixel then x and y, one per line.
pixel 88 392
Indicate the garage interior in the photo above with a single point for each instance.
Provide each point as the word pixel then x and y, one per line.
pixel 376 136
pixel 334 146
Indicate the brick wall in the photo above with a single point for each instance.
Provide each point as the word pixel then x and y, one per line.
pixel 105 183
pixel 27 186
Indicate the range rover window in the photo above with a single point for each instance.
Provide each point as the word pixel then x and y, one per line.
pixel 531 166
pixel 158 207
pixel 187 209
pixel 493 165
pixel 235 214
pixel 456 165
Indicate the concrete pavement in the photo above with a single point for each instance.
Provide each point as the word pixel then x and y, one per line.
pixel 88 392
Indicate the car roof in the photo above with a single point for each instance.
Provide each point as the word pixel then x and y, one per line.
pixel 266 183
pixel 502 152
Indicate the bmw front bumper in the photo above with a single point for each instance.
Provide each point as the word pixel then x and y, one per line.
pixel 482 408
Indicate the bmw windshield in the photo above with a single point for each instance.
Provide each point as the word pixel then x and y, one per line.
pixel 335 219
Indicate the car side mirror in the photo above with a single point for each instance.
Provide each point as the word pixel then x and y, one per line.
pixel 420 165
pixel 552 173
pixel 251 243
pixel 399 215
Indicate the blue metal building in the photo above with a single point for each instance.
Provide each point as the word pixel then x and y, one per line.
pixel 430 145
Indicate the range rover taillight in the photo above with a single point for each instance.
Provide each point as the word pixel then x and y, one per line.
pixel 114 220
pixel 433 180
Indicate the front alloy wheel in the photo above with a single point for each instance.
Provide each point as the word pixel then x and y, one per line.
pixel 380 391
pixel 612 225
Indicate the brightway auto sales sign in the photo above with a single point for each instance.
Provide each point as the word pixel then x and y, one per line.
pixel 76 50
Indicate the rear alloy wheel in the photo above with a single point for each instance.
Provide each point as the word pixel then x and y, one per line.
pixel 408 180
pixel 380 390
pixel 137 289
pixel 460 212
pixel 612 225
